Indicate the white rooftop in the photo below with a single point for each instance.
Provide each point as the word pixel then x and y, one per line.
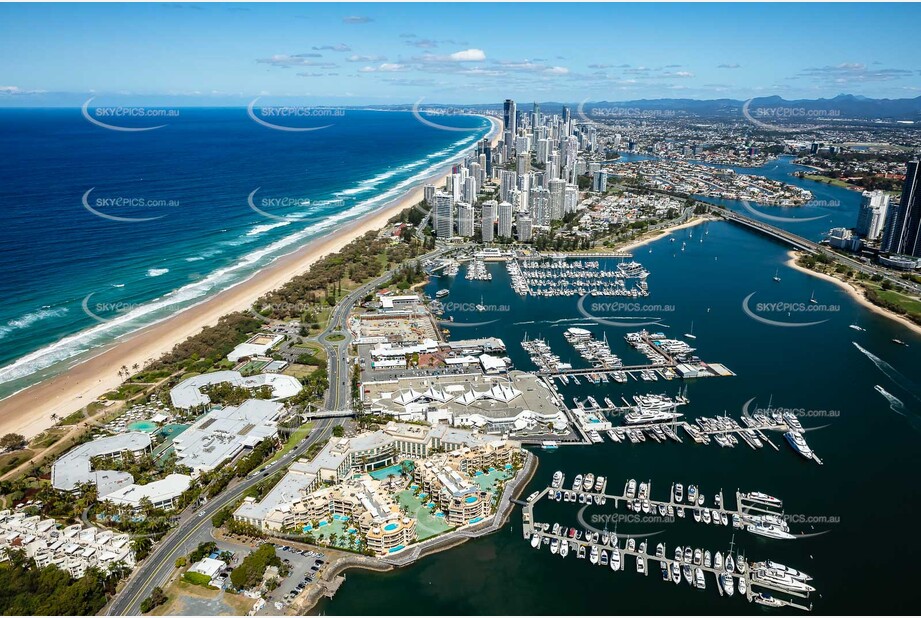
pixel 157 491
pixel 187 394
pixel 224 432
pixel 74 468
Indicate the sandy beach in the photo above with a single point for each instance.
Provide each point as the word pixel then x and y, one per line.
pixel 854 292
pixel 658 234
pixel 29 411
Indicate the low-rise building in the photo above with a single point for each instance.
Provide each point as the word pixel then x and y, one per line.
pixel 187 394
pixel 257 345
pixel 73 549
pixel 162 494
pixel 75 467
pixel 223 433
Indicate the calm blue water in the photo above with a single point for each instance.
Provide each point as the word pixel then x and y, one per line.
pixel 190 180
pixel 863 494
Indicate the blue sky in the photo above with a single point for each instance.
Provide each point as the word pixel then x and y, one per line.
pixel 454 53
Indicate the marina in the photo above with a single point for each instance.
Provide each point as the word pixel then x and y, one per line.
pixel 757 582
pixel 559 276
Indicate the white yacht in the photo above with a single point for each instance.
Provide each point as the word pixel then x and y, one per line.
pixel 761 497
pixel 615 560
pixel 557 479
pixel 594 555
pixel 564 549
pixel 730 563
pixel 699 580
pixel 589 482
pixel 554 546
pixel 728 583
pixel 535 541
pixel 799 445
pixel 631 488
pixel 679 492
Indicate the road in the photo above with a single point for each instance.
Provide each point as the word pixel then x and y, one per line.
pixel 195 528
pixel 340 385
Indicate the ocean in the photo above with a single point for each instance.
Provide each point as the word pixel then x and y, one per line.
pixel 858 510
pixel 108 231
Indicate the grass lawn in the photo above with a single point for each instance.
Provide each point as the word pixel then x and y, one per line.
pixel 299 371
pixel 910 304
pixel 296 438
pixel 8 461
pixel 831 181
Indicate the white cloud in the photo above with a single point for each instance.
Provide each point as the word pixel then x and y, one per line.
pixel 468 55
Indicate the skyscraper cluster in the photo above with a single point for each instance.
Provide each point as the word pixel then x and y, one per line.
pixel 523 184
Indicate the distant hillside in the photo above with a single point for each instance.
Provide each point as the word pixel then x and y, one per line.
pixel 843 106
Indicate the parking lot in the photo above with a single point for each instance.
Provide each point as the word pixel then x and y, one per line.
pixel 304 565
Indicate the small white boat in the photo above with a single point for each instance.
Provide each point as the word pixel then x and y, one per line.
pixel 594 555
pixel 535 541
pixel 615 560
pixel 728 584
pixel 564 549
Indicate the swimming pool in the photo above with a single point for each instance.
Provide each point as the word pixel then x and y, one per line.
pixel 394 470
pixel 146 426
pixel 470 499
pixel 476 520
pixel 391 527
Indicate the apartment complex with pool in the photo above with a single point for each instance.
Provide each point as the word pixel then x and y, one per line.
pixel 389 487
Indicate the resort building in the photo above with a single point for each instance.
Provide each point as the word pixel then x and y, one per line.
pixel 301 498
pixel 257 345
pixel 75 468
pixel 73 549
pixel 162 494
pixel 223 433
pixel 187 394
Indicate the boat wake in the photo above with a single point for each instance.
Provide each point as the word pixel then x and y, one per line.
pixel 898 406
pixel 891 372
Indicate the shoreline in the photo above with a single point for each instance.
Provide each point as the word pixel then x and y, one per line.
pixel 855 293
pixel 662 233
pixel 28 411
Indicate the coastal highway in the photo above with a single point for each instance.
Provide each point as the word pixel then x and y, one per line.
pixel 195 528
